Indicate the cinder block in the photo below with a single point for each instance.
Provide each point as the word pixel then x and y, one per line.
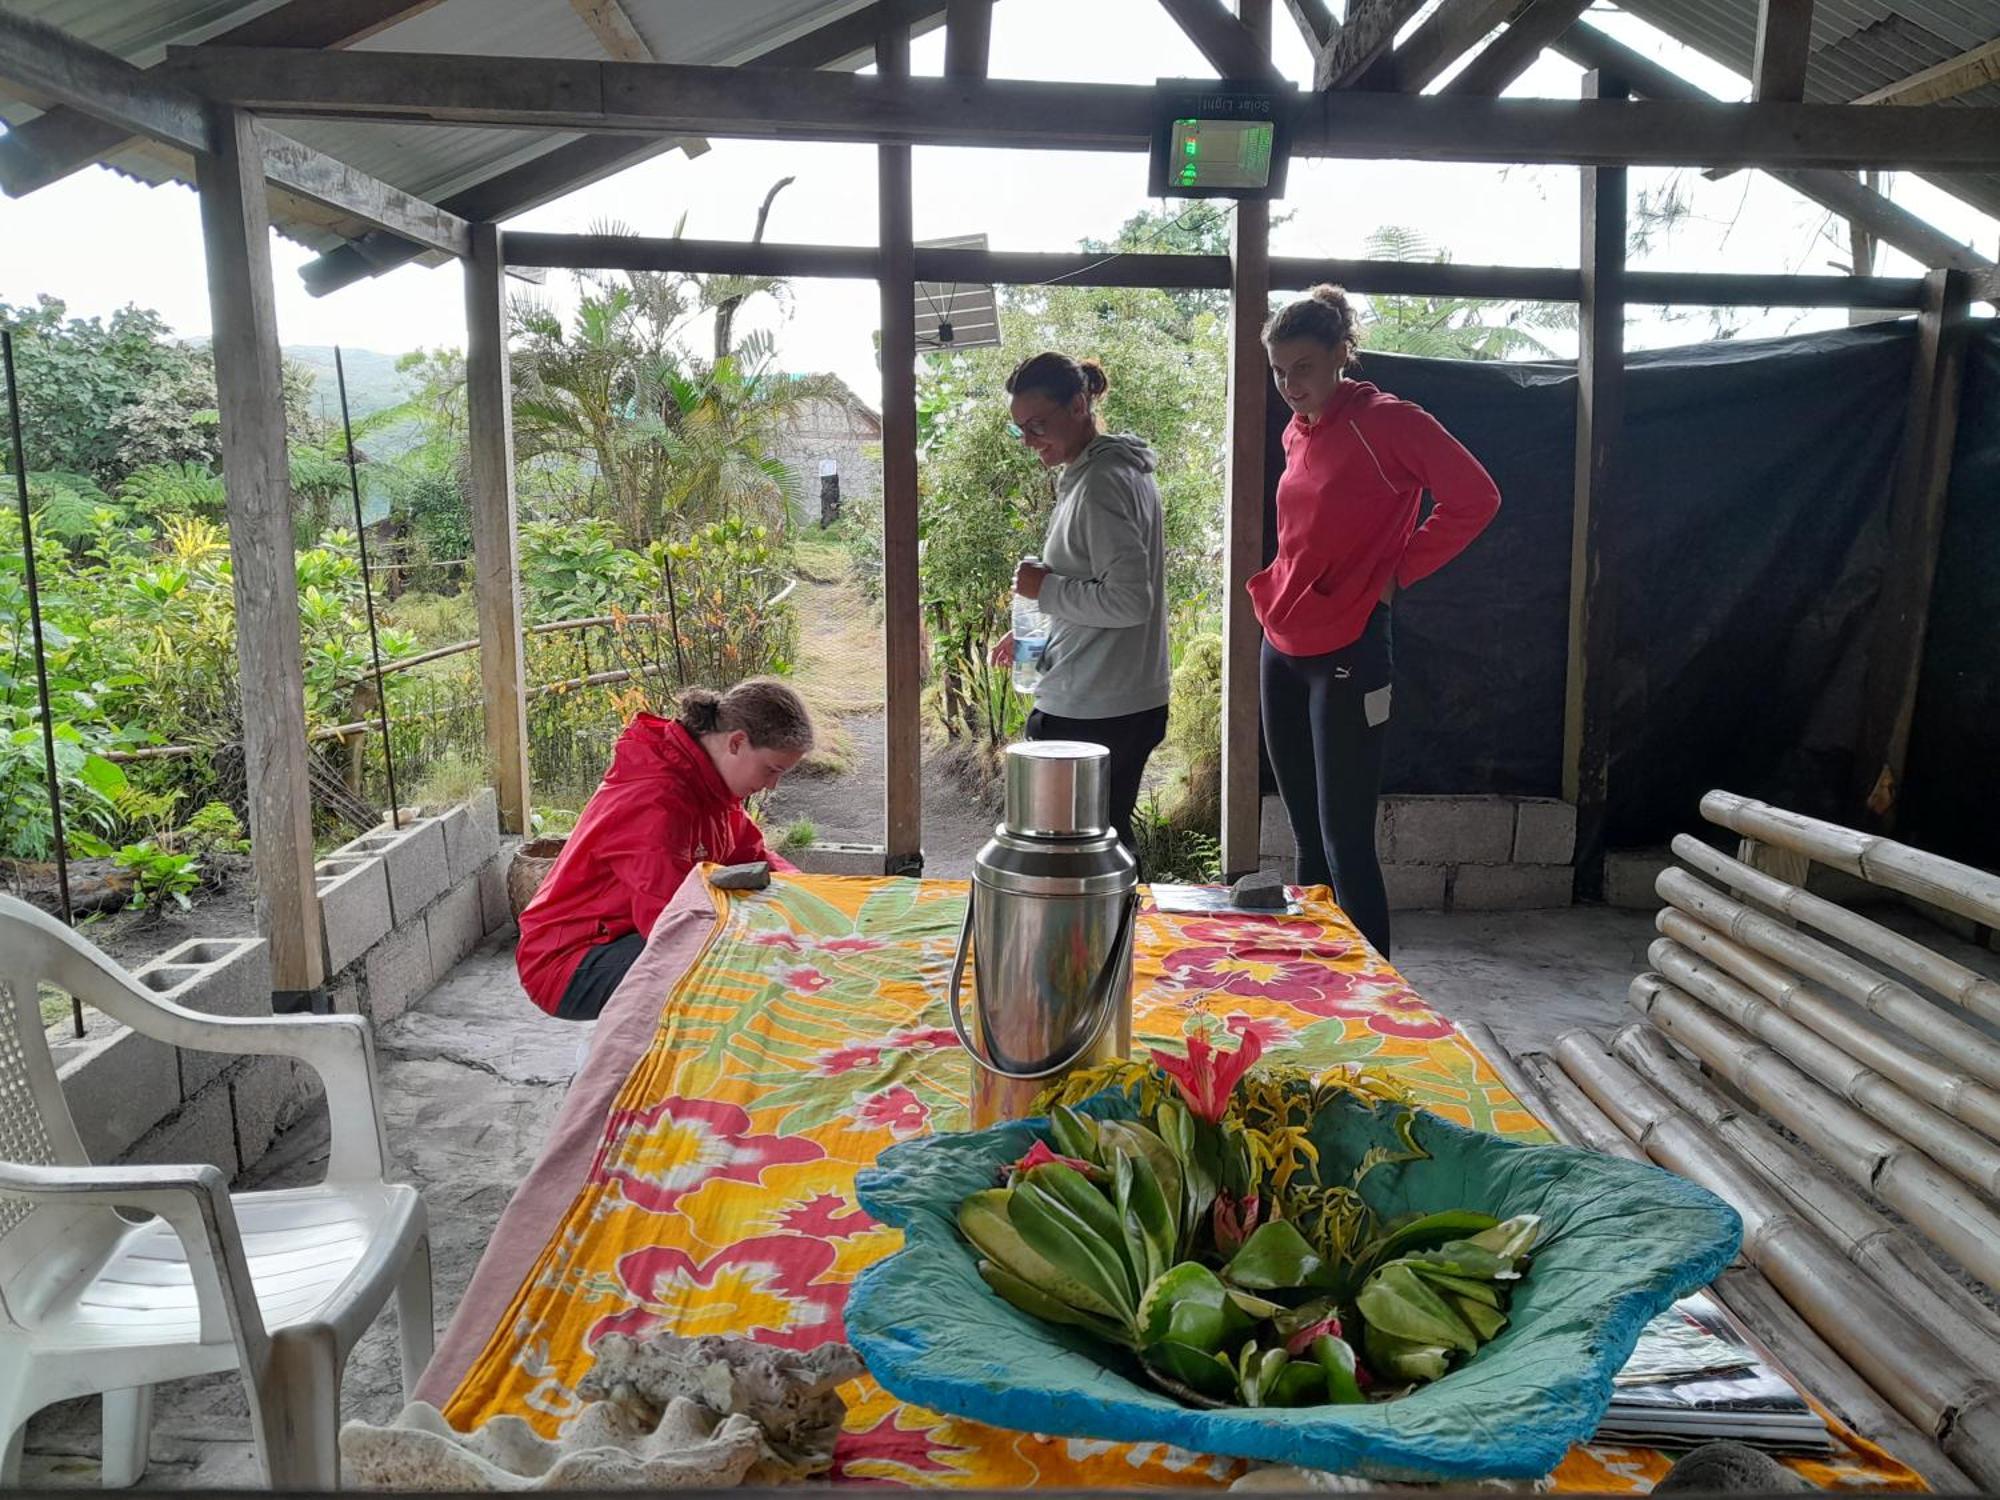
pixel 396 972
pixel 1415 887
pixel 262 1095
pixel 454 927
pixel 203 1131
pixel 839 859
pixel 494 914
pixel 119 1086
pixel 1450 830
pixel 471 835
pixel 415 861
pixel 1511 887
pixel 1629 875
pixel 1274 830
pixel 1544 831
pixel 354 907
pixel 1285 867
pixel 219 977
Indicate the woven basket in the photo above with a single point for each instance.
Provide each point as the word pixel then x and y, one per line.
pixel 531 866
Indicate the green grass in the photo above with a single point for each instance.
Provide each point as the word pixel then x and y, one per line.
pixel 800 835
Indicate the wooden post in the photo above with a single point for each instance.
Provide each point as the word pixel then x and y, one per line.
pixel 1916 524
pixel 236 239
pixel 1243 521
pixel 903 811
pixel 1600 414
pixel 495 545
pixel 968 37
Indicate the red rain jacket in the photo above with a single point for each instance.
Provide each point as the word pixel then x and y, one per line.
pixel 1347 516
pixel 661 810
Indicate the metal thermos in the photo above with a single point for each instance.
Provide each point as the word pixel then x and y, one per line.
pixel 1049 925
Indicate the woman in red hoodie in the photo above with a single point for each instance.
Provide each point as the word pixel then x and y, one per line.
pixel 673 799
pixel 1357 465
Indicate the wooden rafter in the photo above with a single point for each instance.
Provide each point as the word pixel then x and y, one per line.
pixel 1369 32
pixel 1534 27
pixel 51 146
pixel 1315 21
pixel 1945 80
pixel 1784 47
pixel 1839 191
pixel 968 37
pixel 545 178
pixel 562 94
pixel 1230 46
pixel 613 29
pixel 1446 35
pixel 58 67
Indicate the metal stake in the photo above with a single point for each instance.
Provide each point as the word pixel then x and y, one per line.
pixel 368 592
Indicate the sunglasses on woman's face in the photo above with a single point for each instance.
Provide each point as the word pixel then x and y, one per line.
pixel 1039 427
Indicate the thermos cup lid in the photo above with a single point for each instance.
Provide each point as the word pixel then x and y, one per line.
pixel 1058 789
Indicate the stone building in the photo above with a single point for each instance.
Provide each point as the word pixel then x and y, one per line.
pixel 834 445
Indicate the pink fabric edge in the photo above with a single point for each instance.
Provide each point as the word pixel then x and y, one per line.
pixel 624 1031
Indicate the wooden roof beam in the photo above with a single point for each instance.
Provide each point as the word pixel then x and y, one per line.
pixel 968 37
pixel 1588 47
pixel 1369 32
pixel 670 99
pixel 61 141
pixel 1446 35
pixel 1534 27
pixel 1230 46
pixel 1946 80
pixel 609 22
pixel 1315 22
pixel 1784 48
pixel 58 67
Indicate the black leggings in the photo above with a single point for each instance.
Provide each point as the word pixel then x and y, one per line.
pixel 1131 739
pixel 1325 718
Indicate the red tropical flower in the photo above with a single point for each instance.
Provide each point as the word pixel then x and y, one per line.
pixel 854 1055
pixel 809 980
pixel 1270 1031
pixel 1300 1342
pixel 897 1109
pixel 851 945
pixel 659 1154
pixel 890 1444
pixel 1207 1077
pixel 929 1039
pixel 778 1286
pixel 1288 973
pixel 784 940
pixel 1234 1219
pixel 1039 1155
pixel 826 1216
pixel 1349 994
pixel 1401 1012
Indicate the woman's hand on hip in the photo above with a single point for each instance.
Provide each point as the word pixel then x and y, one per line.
pixel 1002 654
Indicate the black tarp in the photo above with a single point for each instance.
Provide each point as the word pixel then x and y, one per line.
pixel 1746 538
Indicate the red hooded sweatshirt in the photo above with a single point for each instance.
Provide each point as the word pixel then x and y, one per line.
pixel 661 809
pixel 1347 516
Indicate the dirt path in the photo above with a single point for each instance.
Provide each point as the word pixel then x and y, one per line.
pixel 841 676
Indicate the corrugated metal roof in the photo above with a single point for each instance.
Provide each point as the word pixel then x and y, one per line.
pixel 1858 46
pixel 432 161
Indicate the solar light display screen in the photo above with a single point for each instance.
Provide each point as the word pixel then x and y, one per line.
pixel 1220 154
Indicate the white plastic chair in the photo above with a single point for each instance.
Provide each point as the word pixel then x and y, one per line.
pixel 278 1284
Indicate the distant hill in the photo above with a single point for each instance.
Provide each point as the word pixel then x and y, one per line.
pixel 373 384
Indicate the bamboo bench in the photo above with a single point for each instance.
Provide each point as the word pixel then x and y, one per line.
pixel 1831 1077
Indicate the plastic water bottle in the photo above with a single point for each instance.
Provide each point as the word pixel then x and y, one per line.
pixel 1031 639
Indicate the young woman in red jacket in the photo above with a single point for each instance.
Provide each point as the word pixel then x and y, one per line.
pixel 673 799
pixel 1357 465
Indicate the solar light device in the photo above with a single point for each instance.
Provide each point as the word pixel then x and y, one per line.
pixel 1220 139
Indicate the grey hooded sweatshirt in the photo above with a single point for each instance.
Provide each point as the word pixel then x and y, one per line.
pixel 1106 593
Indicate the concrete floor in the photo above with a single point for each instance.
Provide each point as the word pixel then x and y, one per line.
pixel 473 1075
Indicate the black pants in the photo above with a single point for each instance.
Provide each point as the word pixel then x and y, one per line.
pixel 602 970
pixel 1130 738
pixel 1325 718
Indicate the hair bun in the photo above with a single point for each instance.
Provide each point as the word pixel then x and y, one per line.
pixel 1095 381
pixel 701 710
pixel 1330 294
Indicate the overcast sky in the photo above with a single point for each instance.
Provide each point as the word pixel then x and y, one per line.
pixel 98 241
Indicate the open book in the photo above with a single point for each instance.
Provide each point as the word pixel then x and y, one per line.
pixel 1695 1377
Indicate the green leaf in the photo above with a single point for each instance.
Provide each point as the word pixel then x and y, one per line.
pixel 1483 1319
pixel 1033 1301
pixel 1150 1227
pixel 1403 1359
pixel 1299 1383
pixel 1074 1136
pixel 1457 1286
pixel 1188 1304
pixel 1133 1139
pixel 102 776
pixel 1275 1257
pixel 1336 1359
pixel 1512 1239
pixel 1429 1231
pixel 1081 1196
pixel 983 1219
pixel 1205 1373
pixel 1399 1302
pixel 1464 1258
pixel 1056 1234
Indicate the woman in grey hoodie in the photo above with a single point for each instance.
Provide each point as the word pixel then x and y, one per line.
pixel 1101 578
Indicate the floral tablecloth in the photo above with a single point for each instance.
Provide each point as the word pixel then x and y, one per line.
pixel 803 1029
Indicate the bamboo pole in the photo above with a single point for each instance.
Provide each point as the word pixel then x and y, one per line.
pixel 1812 1364
pixel 1708 967
pixel 1583 1122
pixel 1898 1264
pixel 1966 1094
pixel 1920 1374
pixel 1869 1155
pixel 1966 988
pixel 1884 862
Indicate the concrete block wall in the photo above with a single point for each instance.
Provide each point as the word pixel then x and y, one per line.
pixel 400 907
pixel 1457 853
